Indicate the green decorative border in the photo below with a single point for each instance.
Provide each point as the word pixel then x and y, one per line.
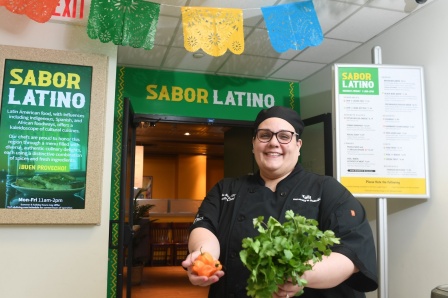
pixel 115 185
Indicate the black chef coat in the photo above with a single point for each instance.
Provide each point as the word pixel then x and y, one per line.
pixel 231 205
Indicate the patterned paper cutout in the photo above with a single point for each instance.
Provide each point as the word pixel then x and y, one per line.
pixel 213 29
pixel 292 26
pixel 37 10
pixel 124 22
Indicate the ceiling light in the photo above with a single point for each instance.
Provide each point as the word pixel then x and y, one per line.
pixel 198 55
pixel 186 134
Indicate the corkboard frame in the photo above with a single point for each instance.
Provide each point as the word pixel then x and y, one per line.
pixel 91 214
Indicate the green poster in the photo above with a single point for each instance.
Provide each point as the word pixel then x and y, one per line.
pixel 202 95
pixel 44 126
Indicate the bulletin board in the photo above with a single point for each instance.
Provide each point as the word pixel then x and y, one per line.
pixel 52 111
pixel 381 136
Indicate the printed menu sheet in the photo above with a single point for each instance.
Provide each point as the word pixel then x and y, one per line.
pixel 381 130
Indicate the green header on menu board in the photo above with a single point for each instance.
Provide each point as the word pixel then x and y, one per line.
pixel 44 124
pixel 354 80
pixel 203 96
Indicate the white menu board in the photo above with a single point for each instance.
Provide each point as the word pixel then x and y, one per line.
pixel 380 124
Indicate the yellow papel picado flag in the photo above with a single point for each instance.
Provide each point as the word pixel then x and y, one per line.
pixel 214 30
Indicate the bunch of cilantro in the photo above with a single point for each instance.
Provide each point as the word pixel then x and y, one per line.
pixel 283 251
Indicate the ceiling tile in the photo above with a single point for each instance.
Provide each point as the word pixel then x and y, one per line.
pixel 171 8
pixel 331 13
pixel 166 28
pixel 400 5
pixel 366 24
pixel 253 16
pixel 140 57
pixel 178 39
pixel 258 43
pixel 358 2
pixel 328 51
pixel 297 71
pixel 250 65
pixel 179 58
pixel 242 4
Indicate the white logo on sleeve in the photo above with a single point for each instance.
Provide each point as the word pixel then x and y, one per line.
pixel 226 197
pixel 306 199
pixel 198 218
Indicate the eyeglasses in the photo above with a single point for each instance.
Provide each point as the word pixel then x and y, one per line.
pixel 283 136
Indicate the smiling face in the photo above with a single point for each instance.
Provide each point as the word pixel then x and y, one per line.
pixel 276 160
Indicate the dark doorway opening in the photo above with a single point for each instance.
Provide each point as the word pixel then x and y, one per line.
pixel 215 138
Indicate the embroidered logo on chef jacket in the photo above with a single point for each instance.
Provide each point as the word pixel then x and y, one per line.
pixel 198 218
pixel 306 199
pixel 226 197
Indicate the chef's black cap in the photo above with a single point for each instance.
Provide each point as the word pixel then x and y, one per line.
pixel 284 113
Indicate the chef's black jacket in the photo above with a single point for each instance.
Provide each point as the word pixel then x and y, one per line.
pixel 231 205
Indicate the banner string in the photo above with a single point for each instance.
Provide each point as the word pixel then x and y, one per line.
pixel 243 9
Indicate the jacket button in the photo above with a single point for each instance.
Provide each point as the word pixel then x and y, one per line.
pixel 283 194
pixel 241 218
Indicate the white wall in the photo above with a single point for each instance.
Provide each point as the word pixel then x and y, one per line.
pixel 58 261
pixel 417 229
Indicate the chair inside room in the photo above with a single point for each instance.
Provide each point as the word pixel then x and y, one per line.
pixel 180 241
pixel 161 247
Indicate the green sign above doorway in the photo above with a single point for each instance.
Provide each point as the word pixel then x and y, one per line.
pixel 201 95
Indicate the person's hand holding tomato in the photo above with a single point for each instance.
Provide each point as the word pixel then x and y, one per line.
pixel 203 269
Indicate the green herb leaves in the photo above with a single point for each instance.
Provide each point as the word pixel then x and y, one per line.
pixel 283 251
